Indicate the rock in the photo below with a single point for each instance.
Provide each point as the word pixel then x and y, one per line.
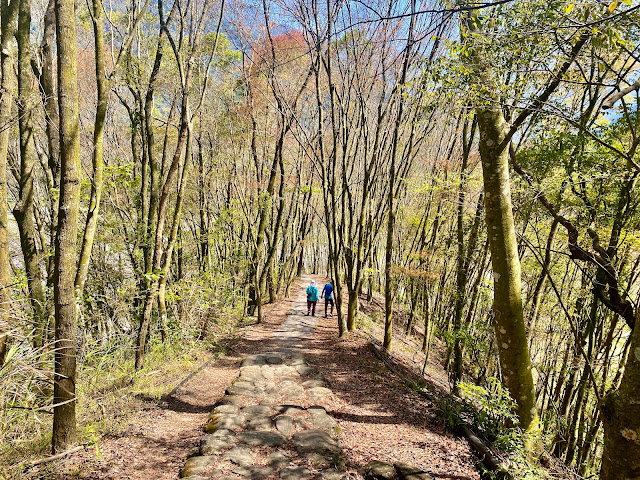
pixel 240 456
pixel 253 360
pixel 271 390
pixel 260 410
pixel 212 444
pixel 271 439
pixel 332 475
pixel 284 371
pixel 319 391
pixel 223 432
pixel 305 370
pixel 273 358
pixel 226 409
pixel 325 460
pixel 260 422
pixel 295 473
pixel 267 372
pixel 296 359
pixel 196 477
pixel 232 400
pixel 229 421
pixel 317 441
pixel 251 373
pixel 320 419
pixel 240 387
pixel 254 473
pixel 377 470
pixel 278 459
pixel 409 472
pixel 313 383
pixel 197 465
pixel 288 409
pixel 270 400
pixel 284 425
pixel 291 390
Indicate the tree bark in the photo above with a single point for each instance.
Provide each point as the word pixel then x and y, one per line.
pixel 102 84
pixel 621 455
pixel 24 211
pixel 509 327
pixel 64 412
pixel 7 29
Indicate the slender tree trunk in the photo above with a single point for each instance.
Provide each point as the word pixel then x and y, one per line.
pixel 509 327
pixel 64 411
pixel 24 211
pixel 462 270
pixel 163 203
pixel 102 84
pixel 391 219
pixel 511 336
pixel 47 84
pixel 537 291
pixel 7 29
pixel 621 455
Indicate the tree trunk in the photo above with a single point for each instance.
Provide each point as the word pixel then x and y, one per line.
pixel 511 336
pixel 391 219
pixel 24 211
pixel 621 455
pixel 64 411
pixel 462 270
pixel 102 84
pixel 7 29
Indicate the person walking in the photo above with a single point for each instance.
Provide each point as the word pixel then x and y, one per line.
pixel 312 298
pixel 327 293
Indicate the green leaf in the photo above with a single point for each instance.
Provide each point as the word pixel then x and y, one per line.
pixel 613 6
pixel 567 10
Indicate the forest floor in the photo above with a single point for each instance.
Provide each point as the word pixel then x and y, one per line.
pixel 379 417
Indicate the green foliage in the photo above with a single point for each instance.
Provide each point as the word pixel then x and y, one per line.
pixel 491 408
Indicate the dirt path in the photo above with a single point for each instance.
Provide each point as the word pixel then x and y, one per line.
pixel 378 417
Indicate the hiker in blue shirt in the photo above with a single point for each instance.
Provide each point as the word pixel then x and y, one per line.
pixel 327 293
pixel 312 298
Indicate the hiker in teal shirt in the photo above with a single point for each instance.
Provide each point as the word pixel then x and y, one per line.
pixel 312 298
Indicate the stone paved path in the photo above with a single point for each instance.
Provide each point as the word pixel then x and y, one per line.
pixel 272 422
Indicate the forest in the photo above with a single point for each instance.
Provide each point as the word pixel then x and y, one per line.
pixel 169 169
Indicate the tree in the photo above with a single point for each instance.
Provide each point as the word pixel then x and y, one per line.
pixel 64 411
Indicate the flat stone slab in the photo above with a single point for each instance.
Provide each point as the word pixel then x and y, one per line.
pixel 197 465
pixel 284 425
pixel 314 382
pixel 239 455
pixel 226 409
pixel 253 473
pixel 377 470
pixel 226 421
pixel 295 473
pixel 260 422
pixel 212 444
pixel 316 441
pixel 321 420
pixel 409 472
pixel 278 459
pixel 260 410
pixel 332 475
pixel 271 439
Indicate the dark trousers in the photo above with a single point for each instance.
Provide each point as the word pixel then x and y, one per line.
pixel 311 305
pixel 328 301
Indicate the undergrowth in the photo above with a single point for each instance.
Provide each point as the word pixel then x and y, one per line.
pixel 109 392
